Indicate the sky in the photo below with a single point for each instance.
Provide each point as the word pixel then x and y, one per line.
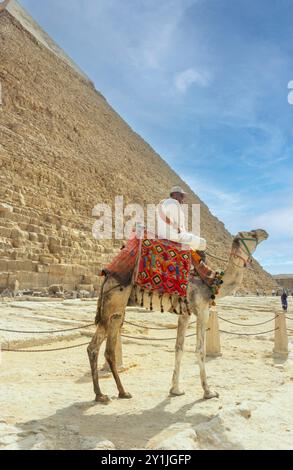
pixel 207 84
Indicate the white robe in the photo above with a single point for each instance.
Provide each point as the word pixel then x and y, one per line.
pixel 176 230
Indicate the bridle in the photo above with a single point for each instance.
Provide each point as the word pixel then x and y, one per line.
pixel 244 248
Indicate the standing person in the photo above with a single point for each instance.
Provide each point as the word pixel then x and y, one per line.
pixel 284 300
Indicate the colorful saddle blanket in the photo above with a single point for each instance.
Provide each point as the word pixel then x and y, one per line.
pixel 122 266
pixel 163 267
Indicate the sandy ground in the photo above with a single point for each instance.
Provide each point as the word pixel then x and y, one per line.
pixel 46 399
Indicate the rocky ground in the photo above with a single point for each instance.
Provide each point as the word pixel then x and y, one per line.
pixel 46 399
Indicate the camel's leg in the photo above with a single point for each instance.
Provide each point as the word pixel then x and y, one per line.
pixel 119 356
pixel 93 353
pixel 181 331
pixel 110 352
pixel 202 321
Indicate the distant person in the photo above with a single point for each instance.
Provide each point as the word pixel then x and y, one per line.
pixel 273 292
pixel 284 301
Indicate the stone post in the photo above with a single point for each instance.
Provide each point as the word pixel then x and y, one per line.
pixel 281 337
pixel 213 345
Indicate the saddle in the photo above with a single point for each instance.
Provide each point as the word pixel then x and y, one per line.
pixel 160 267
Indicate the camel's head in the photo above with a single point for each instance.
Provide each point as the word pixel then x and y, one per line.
pixel 248 241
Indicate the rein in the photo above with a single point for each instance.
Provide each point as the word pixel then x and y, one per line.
pixel 247 261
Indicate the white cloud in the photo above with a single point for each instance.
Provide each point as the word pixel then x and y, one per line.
pixel 277 221
pixel 191 76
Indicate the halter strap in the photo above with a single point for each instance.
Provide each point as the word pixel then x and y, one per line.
pixel 247 250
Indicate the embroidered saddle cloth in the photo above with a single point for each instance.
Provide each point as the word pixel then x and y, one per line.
pixel 163 267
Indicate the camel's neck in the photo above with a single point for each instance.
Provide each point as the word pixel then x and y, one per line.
pixel 233 276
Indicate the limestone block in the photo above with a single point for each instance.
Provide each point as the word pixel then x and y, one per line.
pixel 3 265
pixel 43 238
pixel 20 265
pixel 5 232
pixel 87 287
pixel 41 268
pixel 16 234
pixel 5 208
pixel 88 279
pixel 3 280
pixel 46 259
pixel 33 237
pixel 55 289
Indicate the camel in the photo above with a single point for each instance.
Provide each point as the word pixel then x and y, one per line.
pixel 114 299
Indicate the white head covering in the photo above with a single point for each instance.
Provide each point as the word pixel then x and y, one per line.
pixel 177 189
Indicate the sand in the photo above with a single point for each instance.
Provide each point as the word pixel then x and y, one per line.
pixel 46 399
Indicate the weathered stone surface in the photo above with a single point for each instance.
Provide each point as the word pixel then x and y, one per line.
pixel 55 289
pixel 5 207
pixel 96 443
pixel 178 436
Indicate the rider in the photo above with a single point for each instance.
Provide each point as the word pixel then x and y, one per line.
pixel 171 223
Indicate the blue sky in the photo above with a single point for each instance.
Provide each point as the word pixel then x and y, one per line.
pixel 205 82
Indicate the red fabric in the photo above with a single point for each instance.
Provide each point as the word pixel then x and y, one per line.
pixel 122 266
pixel 163 267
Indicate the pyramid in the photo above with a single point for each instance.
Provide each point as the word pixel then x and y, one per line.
pixel 63 149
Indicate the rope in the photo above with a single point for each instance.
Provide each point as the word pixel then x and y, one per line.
pixel 153 327
pixel 46 331
pixel 131 337
pixel 248 334
pixel 147 327
pixel 226 260
pixel 216 257
pixel 247 324
pixel 155 339
pixel 44 350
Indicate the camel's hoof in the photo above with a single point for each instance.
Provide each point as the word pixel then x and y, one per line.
pixel 125 395
pixel 102 399
pixel 176 393
pixel 209 395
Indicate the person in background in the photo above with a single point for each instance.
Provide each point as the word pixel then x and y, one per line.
pixel 284 300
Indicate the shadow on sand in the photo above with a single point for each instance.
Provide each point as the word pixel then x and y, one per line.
pixel 69 426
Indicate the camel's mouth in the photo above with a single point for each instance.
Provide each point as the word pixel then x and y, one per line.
pixel 260 234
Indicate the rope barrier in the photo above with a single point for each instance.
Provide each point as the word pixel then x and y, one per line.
pixel 247 324
pixel 155 339
pixel 153 327
pixel 248 334
pixel 44 350
pixel 48 331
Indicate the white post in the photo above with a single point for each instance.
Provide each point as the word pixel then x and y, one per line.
pixel 281 337
pixel 213 344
